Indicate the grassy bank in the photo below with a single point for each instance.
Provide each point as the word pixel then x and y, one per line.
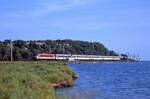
pixel 32 80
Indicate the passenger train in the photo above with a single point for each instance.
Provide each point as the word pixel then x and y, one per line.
pixel 70 57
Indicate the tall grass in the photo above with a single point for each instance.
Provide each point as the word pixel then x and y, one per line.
pixel 32 80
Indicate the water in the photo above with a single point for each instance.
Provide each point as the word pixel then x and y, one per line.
pixel 110 81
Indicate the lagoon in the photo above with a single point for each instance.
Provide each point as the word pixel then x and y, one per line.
pixel 110 81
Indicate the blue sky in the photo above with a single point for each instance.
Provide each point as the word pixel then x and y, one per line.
pixel 121 25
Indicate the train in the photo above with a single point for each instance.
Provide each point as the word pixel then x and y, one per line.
pixel 73 57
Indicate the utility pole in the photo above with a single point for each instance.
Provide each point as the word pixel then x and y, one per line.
pixel 49 48
pixel 11 46
pixel 85 51
pixel 63 48
pixel 118 52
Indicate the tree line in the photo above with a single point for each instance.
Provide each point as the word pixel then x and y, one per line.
pixel 27 50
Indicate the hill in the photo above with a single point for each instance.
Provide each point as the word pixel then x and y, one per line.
pixel 26 50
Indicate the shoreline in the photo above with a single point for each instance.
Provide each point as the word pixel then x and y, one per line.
pixel 98 62
pixel 64 84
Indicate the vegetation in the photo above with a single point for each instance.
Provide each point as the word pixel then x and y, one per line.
pixel 32 80
pixel 26 50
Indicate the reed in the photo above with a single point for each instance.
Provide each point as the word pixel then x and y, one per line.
pixel 32 79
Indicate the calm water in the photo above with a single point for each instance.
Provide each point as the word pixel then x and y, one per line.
pixel 110 81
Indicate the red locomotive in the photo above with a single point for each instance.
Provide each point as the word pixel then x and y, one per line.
pixel 46 56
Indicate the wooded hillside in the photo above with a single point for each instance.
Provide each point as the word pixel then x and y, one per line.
pixel 26 50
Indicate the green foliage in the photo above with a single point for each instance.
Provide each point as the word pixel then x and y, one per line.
pixel 26 50
pixel 32 80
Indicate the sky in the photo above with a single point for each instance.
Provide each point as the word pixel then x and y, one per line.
pixel 121 25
